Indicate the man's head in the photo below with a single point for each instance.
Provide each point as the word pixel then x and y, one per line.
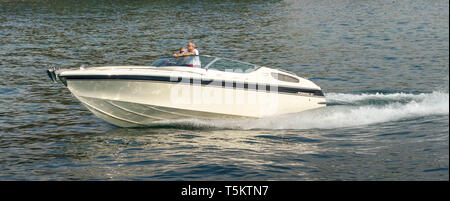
pixel 191 46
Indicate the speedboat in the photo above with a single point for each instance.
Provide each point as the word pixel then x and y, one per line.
pixel 189 87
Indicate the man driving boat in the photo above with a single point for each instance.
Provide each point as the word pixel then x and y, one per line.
pixel 191 51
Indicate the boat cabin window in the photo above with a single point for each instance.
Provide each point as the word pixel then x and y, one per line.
pixel 231 65
pixel 284 78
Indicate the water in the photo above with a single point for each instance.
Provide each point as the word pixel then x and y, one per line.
pixel 383 66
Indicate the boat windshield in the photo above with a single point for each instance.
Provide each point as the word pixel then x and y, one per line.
pixel 231 66
pixel 205 61
pixel 191 61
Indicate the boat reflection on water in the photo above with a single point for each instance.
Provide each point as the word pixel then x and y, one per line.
pixel 166 152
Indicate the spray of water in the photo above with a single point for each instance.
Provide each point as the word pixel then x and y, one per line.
pixel 346 110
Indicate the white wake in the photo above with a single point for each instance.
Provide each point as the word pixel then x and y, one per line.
pixel 353 110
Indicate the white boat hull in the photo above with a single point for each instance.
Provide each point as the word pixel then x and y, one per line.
pixel 137 103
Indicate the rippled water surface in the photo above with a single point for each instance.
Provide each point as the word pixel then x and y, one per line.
pixel 383 66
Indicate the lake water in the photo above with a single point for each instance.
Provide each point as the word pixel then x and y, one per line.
pixel 383 66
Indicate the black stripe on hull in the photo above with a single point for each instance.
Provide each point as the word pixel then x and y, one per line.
pixel 209 82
